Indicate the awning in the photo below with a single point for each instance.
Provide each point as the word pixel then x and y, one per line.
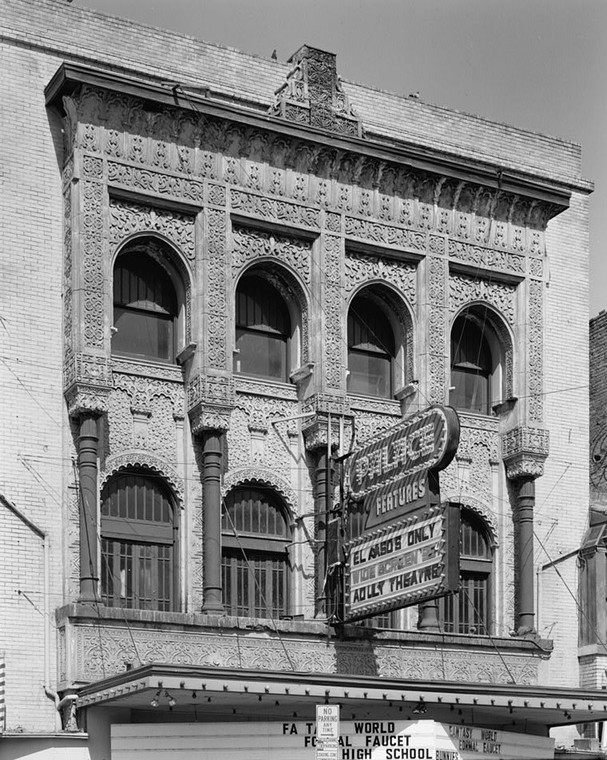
pixel 215 694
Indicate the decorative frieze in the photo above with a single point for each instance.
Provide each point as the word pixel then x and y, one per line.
pixel 400 237
pixel 156 183
pixel 486 258
pixel 274 209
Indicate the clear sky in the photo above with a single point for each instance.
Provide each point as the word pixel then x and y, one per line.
pixel 537 64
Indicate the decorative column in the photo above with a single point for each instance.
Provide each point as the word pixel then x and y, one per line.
pixel 88 441
pixel 524 570
pixel 210 403
pixel 211 495
pixel 321 437
pixel 524 451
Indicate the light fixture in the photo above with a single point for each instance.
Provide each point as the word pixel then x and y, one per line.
pixel 420 708
pixel 170 699
pixel 154 701
pixel 194 695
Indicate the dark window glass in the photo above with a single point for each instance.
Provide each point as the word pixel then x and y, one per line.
pixel 471 366
pixel 138 550
pixel 263 329
pixel 468 611
pixel 145 308
pixel 255 564
pixel 370 349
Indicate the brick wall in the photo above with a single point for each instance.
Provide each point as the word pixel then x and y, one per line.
pixel 561 514
pixel 32 409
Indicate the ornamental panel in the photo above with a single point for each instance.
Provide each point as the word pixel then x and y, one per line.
pixel 465 290
pixel 129 218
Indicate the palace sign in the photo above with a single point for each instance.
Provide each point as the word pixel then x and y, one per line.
pixel 390 472
pixel 408 552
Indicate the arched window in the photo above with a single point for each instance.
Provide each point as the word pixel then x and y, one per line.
pixel 371 349
pixel 145 308
pixel 474 361
pixel 255 565
pixel 263 330
pixel 138 543
pixel 469 611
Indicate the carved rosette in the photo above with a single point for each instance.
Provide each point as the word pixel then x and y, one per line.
pixel 524 451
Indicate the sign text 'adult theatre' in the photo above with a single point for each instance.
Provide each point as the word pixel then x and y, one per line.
pixel 408 551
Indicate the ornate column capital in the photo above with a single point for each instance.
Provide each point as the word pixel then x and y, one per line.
pixel 524 451
pixel 211 399
pixel 315 428
pixel 87 382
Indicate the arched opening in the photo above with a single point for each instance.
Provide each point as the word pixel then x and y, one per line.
pixel 138 542
pixel 476 363
pixel 263 329
pixel 469 611
pixel 146 307
pixel 371 348
pixel 256 571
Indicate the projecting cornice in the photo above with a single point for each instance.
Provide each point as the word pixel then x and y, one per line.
pixel 331 149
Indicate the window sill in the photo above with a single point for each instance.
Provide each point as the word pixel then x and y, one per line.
pixel 129 365
pixel 258 386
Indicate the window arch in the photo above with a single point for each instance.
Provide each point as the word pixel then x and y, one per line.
pixel 146 307
pixel 138 542
pixel 469 611
pixel 263 329
pixel 255 561
pixel 371 348
pixel 476 362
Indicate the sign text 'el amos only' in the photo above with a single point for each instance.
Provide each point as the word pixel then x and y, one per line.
pixel 408 551
pixel 390 472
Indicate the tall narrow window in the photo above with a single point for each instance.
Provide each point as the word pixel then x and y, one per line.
pixel 371 349
pixel 263 330
pixel 138 543
pixel 471 364
pixel 469 610
pixel 145 308
pixel 255 563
